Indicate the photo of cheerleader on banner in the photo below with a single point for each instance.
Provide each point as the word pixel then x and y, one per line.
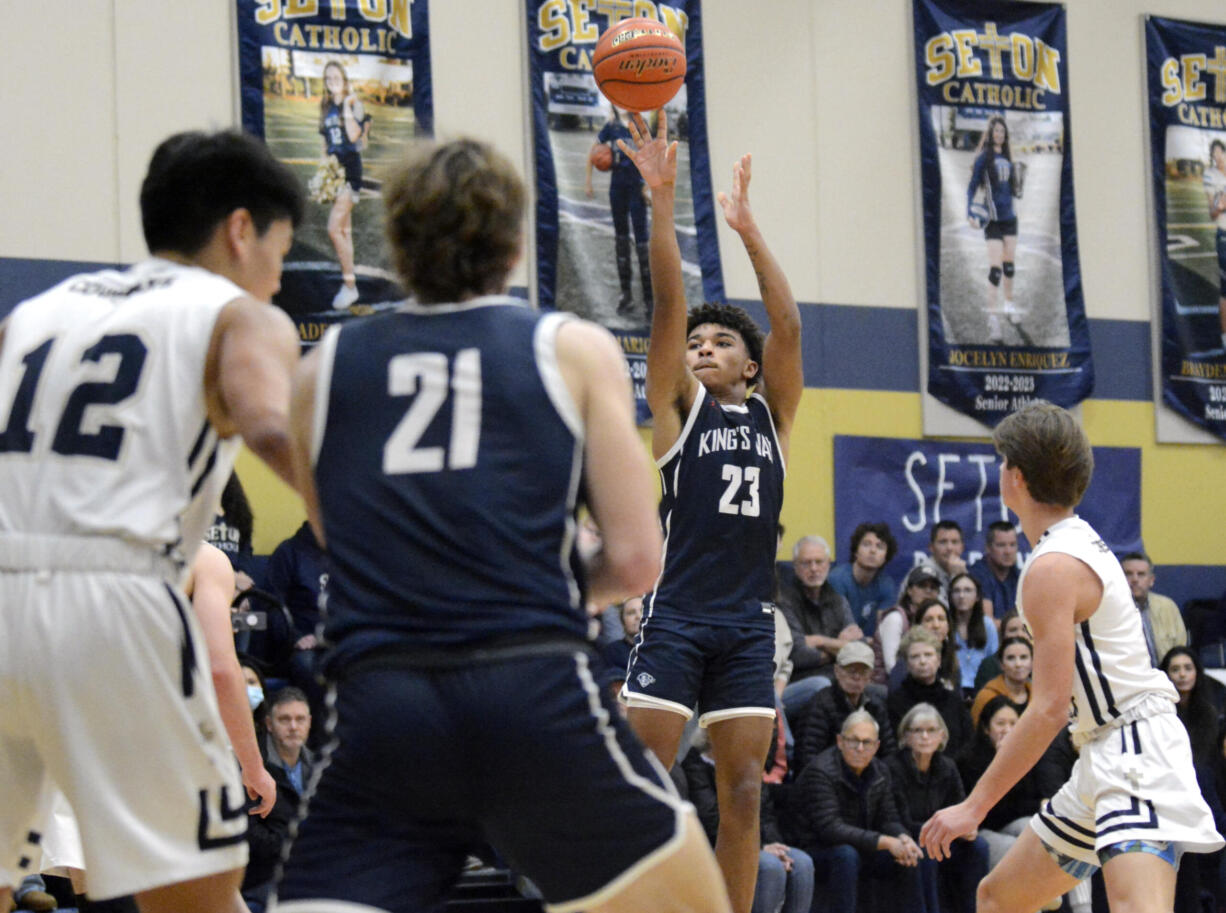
pixel 1186 67
pixel 593 214
pixel 338 96
pixel 1006 318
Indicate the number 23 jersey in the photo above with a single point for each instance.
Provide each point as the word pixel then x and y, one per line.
pixel 722 488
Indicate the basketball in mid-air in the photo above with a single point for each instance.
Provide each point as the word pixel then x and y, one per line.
pixel 601 156
pixel 639 64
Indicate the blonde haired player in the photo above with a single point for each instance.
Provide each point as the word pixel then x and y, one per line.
pixel 122 398
pixel 1132 802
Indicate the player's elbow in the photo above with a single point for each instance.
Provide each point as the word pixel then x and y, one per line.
pixel 635 565
pixel 270 441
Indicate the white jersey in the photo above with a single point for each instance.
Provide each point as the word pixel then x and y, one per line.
pixel 1113 668
pixel 1215 183
pixel 103 429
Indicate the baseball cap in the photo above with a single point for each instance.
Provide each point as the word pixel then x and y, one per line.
pixel 856 651
pixel 921 574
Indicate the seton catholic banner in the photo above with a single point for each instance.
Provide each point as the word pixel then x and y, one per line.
pixel 593 225
pixel 1006 318
pixel 1186 67
pixel 337 89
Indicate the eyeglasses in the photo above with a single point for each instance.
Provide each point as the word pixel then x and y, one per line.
pixel 858 744
pixel 924 730
pixel 857 670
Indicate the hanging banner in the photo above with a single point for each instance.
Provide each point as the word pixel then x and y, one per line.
pixel 337 90
pixel 593 221
pixel 1006 318
pixel 1186 67
pixel 912 485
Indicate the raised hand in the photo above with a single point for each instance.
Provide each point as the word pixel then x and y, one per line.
pixel 737 213
pixel 655 157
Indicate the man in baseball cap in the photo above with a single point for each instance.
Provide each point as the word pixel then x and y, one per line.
pixel 822 720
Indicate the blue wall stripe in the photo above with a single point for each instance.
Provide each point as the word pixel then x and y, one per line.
pixel 846 347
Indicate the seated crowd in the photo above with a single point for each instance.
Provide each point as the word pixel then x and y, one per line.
pixel 892 703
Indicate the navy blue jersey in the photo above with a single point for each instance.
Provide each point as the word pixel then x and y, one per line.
pixel 624 171
pixel 722 489
pixel 334 132
pixel 448 467
pixel 992 172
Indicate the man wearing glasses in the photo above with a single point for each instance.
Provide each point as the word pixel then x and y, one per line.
pixel 819 723
pixel 849 823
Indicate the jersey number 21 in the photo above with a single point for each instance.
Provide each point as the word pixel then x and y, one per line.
pixel 435 383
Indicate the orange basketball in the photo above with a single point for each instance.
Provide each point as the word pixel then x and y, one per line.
pixel 639 64
pixel 601 156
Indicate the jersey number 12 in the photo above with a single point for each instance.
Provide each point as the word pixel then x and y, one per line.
pixel 432 381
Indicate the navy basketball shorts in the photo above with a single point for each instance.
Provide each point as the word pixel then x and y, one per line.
pixel 527 755
pixel 726 671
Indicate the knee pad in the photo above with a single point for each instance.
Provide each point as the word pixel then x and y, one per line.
pixel 1008 269
pixel 994 275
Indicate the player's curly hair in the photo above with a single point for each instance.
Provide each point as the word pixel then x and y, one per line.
pixel 453 220
pixel 730 317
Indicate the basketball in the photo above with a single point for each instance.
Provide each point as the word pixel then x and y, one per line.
pixel 601 156
pixel 639 64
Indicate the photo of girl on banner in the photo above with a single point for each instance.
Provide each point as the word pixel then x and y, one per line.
pixel 338 102
pixel 593 219
pixel 1006 319
pixel 1187 91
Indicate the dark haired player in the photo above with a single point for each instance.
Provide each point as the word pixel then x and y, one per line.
pixel 707 638
pixel 1131 804
pixel 443 451
pixel 124 393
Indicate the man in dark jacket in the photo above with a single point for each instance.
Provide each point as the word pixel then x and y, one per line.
pixel 818 724
pixel 847 819
pixel 820 620
pixel 290 762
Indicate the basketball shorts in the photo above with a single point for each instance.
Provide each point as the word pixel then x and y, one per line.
pixel 726 671
pixel 525 754
pixel 998 230
pixel 1133 781
pixel 106 692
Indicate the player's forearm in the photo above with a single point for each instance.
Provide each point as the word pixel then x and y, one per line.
pixel 773 285
pixel 1019 752
pixel 235 712
pixel 663 251
pixel 270 441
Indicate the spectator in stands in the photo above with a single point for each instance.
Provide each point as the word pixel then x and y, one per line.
pixel 924 780
pixel 290 762
pixel 253 675
pixel 1009 817
pixel 974 634
pixel 617 653
pixel 1195 708
pixel 820 620
pixel 997 572
pixel 785 874
pixel 921 652
pixel 847 819
pixel 819 723
pixel 297 575
pixel 1012 625
pixel 1013 683
pixel 933 614
pixel 945 545
pixel 921 583
pixel 863 581
pixel 1160 618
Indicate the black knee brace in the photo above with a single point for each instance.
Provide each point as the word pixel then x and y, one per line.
pixel 994 275
pixel 1008 269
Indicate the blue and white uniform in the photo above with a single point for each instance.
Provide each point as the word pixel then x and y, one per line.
pixel 708 629
pixel 338 143
pixel 1133 779
pixel 1215 182
pixel 448 459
